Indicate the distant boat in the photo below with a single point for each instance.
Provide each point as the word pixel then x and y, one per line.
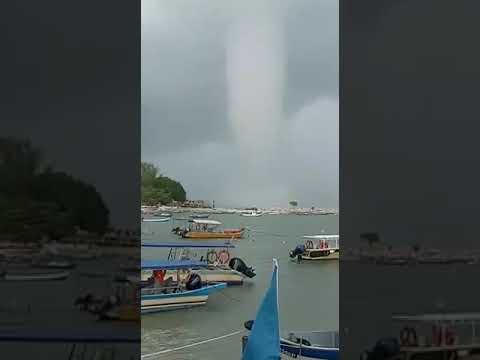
pixel 35 276
pixel 163 215
pixel 208 229
pixel 167 294
pixel 317 247
pixel 252 214
pixel 155 219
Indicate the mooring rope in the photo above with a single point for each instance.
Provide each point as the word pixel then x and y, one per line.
pixel 191 345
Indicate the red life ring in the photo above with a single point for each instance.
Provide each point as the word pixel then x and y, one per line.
pixel 223 256
pixel 309 244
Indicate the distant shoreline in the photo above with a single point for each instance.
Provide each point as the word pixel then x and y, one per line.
pixel 268 211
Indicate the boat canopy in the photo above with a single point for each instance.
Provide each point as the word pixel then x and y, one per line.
pixel 206 222
pixel 440 317
pixel 189 244
pixel 171 265
pixel 322 237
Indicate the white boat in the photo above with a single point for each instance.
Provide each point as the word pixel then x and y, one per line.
pixel 317 247
pixel 219 267
pixel 170 294
pixel 35 276
pixel 251 214
pixel 430 336
pixel 159 219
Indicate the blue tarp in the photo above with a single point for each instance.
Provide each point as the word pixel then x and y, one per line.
pixel 264 339
pixel 172 265
pixel 189 244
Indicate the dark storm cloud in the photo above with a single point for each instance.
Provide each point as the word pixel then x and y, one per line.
pixel 71 86
pixel 187 126
pixel 415 89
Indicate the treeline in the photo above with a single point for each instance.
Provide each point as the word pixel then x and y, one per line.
pixel 158 189
pixel 37 201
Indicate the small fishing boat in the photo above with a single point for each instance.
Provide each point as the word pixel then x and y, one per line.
pixel 154 219
pixel 265 342
pixel 29 276
pixel 308 344
pixel 209 229
pixel 168 294
pixel 220 266
pixel 430 336
pixel 251 214
pixel 311 345
pixel 317 247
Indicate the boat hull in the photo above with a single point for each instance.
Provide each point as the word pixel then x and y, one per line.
pixel 156 220
pixel 290 351
pixel 213 235
pixel 311 257
pixel 37 277
pixel 208 276
pixel 186 299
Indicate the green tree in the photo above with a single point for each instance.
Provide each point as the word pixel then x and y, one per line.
pixel 157 188
pixel 36 201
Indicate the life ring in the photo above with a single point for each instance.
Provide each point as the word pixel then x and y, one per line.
pixel 309 244
pixel 212 256
pixel 223 256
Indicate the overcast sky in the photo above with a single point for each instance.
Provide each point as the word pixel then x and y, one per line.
pixel 240 101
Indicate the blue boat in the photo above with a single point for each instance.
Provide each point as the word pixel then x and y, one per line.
pixel 311 345
pixel 162 294
pixel 265 342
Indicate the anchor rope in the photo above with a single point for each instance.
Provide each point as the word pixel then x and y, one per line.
pixel 191 345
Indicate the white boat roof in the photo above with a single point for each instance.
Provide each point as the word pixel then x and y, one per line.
pixel 206 222
pixel 322 237
pixel 439 317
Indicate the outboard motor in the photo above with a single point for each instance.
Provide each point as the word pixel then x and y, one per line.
pixel 300 249
pixel 240 266
pixel 384 349
pixel 194 282
pixel 248 324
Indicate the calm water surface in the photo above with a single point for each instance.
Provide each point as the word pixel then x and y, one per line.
pixel 308 292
